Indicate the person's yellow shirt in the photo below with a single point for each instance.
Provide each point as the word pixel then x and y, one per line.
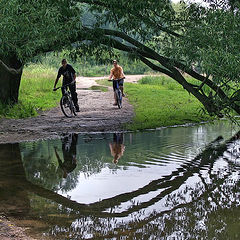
pixel 117 72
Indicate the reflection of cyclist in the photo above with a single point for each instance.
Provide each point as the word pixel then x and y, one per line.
pixel 69 75
pixel 117 147
pixel 69 149
pixel 117 73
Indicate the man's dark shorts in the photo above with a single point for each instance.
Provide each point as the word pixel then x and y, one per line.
pixel 120 83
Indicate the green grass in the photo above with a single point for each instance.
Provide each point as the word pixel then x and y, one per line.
pixel 35 93
pixel 159 101
pixel 100 88
pixel 104 82
pixel 169 83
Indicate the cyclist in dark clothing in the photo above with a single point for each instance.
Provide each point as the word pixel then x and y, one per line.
pixel 69 150
pixel 69 75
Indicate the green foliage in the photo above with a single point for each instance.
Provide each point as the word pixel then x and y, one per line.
pixel 210 43
pixel 31 27
pixel 20 110
pixel 136 17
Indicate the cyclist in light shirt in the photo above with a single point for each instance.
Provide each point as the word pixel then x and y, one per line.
pixel 117 74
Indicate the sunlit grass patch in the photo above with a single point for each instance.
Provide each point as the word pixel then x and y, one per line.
pixel 161 102
pixel 169 83
pixel 20 110
pixel 35 93
pixel 104 82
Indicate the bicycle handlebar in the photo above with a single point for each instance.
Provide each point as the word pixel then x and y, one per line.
pixel 111 80
pixel 55 89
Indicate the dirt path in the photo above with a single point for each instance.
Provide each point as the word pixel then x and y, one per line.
pixel 97 114
pixel 9 231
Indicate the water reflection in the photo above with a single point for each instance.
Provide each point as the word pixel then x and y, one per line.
pixel 165 186
pixel 13 195
pixel 69 151
pixel 117 147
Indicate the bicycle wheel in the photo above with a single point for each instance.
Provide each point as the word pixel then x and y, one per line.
pixel 66 106
pixel 119 98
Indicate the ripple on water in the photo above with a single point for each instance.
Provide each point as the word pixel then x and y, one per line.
pixel 161 175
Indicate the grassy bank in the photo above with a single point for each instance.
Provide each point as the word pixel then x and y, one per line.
pixel 160 101
pixel 35 93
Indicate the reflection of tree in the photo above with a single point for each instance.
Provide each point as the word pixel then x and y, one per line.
pixel 201 217
pixel 185 214
pixel 42 165
pixel 14 197
pixel 14 186
pixel 206 214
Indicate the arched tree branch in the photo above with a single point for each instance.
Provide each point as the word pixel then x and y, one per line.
pixel 11 70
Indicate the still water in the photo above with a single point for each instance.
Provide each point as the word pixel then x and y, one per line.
pixel 173 183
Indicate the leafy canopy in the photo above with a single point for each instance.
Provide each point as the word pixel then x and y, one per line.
pixel 201 41
pixel 30 27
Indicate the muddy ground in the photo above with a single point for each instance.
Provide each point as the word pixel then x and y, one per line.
pixel 97 114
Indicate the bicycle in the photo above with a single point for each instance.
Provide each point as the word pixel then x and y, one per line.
pixel 117 91
pixel 66 102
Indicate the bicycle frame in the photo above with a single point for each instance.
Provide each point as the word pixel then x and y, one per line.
pixel 67 97
pixel 118 92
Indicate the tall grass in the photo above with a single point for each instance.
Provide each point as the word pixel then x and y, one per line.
pixel 35 93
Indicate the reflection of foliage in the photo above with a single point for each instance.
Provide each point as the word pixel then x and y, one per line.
pixel 39 162
pixel 42 167
pixel 199 201
pixel 203 211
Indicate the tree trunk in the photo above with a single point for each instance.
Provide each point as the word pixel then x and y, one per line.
pixel 9 82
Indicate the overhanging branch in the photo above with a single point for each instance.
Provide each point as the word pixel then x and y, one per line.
pixel 155 67
pixel 11 70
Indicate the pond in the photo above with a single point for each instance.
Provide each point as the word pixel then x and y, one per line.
pixel 171 183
